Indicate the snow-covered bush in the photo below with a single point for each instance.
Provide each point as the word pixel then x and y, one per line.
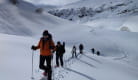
pixel 39 10
pixel 124 28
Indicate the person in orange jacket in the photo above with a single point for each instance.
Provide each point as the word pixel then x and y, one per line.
pixel 46 46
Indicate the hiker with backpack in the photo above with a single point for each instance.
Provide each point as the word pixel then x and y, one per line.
pixel 60 50
pixel 93 50
pixel 81 48
pixel 46 45
pixel 74 51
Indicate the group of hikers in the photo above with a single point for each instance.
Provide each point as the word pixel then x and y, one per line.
pixel 47 48
pixel 74 50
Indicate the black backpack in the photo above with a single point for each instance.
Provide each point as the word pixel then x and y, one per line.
pixel 63 47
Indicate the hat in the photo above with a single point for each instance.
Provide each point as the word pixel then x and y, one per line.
pixel 45 32
pixel 58 42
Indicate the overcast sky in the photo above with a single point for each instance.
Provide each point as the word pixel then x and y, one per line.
pixel 52 2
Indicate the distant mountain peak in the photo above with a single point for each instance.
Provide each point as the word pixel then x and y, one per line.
pixel 87 10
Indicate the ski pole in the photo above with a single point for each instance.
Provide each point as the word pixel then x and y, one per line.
pixel 52 66
pixel 32 65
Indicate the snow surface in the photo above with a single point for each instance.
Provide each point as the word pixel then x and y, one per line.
pixel 21 27
pixel 51 2
pixel 115 23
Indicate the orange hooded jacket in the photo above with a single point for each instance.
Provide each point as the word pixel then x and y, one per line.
pixel 45 48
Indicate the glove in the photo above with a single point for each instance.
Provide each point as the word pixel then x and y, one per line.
pixel 53 51
pixel 33 47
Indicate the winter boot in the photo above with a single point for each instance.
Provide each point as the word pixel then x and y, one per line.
pixel 44 73
pixel 56 66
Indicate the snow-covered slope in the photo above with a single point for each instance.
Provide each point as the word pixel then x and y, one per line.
pixel 51 2
pixel 118 49
pixel 88 10
pixel 27 21
pixel 115 23
pixel 47 7
pixel 95 3
pixel 120 13
pixel 15 58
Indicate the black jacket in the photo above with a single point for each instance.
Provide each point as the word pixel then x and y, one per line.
pixel 60 50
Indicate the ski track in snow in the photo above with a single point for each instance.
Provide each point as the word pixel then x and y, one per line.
pixel 74 71
pixel 79 73
pixel 92 59
pixel 71 60
pixel 124 55
pixel 86 63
